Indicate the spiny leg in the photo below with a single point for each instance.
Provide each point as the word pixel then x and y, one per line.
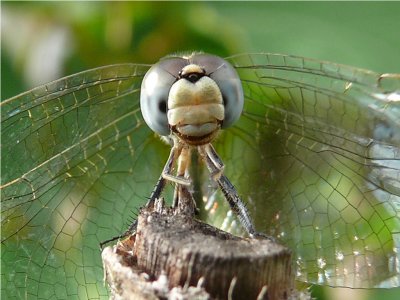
pixel 215 166
pixel 166 174
pixel 160 185
pixel 158 188
pixel 213 155
pixel 236 204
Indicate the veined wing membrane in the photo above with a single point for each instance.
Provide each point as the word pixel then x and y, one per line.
pixel 316 151
pixel 324 170
pixel 69 151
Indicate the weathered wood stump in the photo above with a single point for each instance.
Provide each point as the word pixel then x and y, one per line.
pixel 176 256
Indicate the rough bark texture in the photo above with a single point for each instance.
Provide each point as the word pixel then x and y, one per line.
pixel 175 256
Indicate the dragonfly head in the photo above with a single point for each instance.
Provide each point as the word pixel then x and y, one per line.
pixel 192 97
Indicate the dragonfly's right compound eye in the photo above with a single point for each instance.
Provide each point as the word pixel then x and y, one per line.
pixel 155 88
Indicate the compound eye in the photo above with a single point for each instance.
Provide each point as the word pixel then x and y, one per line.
pixel 154 92
pixel 228 81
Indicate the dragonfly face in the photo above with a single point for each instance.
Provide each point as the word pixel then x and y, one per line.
pixel 200 92
pixel 316 154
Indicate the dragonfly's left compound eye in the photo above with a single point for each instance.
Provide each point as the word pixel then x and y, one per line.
pixel 158 81
pixel 154 92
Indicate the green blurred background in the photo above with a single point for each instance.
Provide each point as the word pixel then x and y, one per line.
pixel 42 41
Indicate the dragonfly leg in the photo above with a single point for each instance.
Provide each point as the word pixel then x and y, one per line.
pixel 219 165
pixel 215 166
pixel 158 188
pixel 160 185
pixel 183 197
pixel 181 172
pixel 167 171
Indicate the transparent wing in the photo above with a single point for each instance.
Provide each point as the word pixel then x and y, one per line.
pixel 70 154
pixel 316 155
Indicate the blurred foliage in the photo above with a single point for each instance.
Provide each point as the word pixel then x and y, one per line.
pixel 104 33
pixel 101 33
pixel 92 34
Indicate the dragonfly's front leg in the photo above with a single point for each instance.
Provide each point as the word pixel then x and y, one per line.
pixel 182 175
pixel 215 166
pixel 217 162
pixel 166 174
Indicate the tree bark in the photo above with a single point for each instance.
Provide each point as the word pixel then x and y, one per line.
pixel 176 256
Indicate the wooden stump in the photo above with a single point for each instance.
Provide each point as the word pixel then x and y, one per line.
pixel 174 254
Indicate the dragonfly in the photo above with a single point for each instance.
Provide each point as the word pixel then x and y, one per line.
pixel 315 155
